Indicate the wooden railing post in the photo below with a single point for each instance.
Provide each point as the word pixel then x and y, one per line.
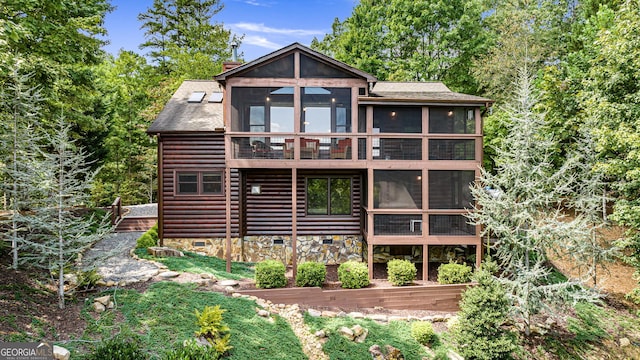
pixel 116 211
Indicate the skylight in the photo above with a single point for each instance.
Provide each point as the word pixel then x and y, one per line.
pixel 196 97
pixel 215 97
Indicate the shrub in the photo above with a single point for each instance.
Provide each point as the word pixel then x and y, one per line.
pixel 191 350
pixel 484 309
pixel 118 348
pixel 270 274
pixel 353 275
pixel 213 328
pixel 149 238
pixel 453 273
pixel 401 272
pixel 88 279
pixel 311 274
pixel 423 332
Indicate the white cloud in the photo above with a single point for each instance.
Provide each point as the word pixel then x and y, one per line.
pixel 256 3
pixel 260 41
pixel 261 28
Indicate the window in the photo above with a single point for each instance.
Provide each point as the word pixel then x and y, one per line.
pixel 454 120
pixel 326 110
pixel 451 189
pixel 398 119
pixel 199 183
pixel 397 189
pixel 262 109
pixel 329 196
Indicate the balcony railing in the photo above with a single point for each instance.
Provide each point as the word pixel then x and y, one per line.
pixel 288 147
pixel 382 147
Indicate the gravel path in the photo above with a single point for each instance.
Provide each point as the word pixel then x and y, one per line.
pixel 111 256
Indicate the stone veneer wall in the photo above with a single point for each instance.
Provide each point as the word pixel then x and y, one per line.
pixel 256 248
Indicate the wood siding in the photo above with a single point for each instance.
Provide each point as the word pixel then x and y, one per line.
pixel 269 213
pixel 195 216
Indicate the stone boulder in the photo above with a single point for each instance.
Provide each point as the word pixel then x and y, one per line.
pixel 163 251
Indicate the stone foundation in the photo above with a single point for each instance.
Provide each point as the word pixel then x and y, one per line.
pixel 326 249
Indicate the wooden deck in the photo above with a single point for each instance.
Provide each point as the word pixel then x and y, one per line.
pixel 418 297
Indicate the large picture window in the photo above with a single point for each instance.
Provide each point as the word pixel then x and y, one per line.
pixel 199 182
pixel 329 196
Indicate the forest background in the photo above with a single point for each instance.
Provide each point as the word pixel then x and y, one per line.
pixel 584 55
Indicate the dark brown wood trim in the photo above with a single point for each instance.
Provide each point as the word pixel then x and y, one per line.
pixel 228 216
pixel 294 220
pixel 160 190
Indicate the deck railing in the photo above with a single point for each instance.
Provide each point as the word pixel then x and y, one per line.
pixel 116 211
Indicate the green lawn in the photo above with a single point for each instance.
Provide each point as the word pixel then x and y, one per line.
pixel 396 334
pixel 165 314
pixel 199 264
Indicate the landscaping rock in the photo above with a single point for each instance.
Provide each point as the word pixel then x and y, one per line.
pixel 376 352
pixel 71 279
pixel 60 353
pixel 346 332
pixel 169 274
pixel 356 315
pixel 624 342
pixel 226 283
pixel 263 313
pixel 98 307
pixel 164 251
pixel 379 317
pixel 237 295
pixel 360 333
pixel 321 334
pixel 104 300
pixel 397 318
pixel 314 313
pixel 329 314
pixel 393 353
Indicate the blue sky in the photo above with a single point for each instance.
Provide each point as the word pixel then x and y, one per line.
pixel 267 25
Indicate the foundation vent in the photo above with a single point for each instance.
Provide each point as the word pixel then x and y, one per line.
pixel 278 242
pixel 199 243
pixel 327 241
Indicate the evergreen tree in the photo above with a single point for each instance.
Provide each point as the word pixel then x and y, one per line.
pixel 19 117
pixel 484 310
pixel 183 30
pixel 525 212
pixel 58 231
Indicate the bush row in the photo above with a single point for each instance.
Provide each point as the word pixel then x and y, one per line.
pixel 354 274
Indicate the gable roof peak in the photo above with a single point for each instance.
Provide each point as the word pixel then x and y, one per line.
pixel 290 49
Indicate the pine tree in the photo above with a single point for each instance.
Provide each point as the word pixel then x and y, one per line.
pixel 526 213
pixel 19 114
pixel 59 231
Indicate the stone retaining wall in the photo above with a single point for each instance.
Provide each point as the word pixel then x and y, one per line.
pixel 326 249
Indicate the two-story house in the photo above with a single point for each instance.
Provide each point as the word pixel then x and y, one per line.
pixel 299 157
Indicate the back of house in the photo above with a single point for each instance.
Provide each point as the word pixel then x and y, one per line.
pixel 298 157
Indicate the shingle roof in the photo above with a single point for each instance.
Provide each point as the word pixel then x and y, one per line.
pixel 179 115
pixel 419 92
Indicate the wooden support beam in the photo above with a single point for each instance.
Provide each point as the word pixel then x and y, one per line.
pixel 227 188
pixel 294 221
